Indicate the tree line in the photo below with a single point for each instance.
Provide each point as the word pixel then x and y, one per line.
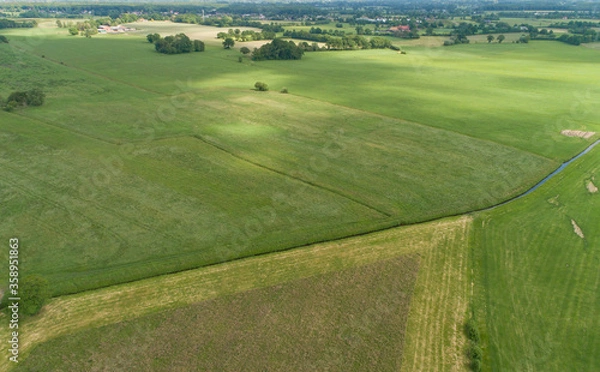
pixel 176 44
pixel 9 23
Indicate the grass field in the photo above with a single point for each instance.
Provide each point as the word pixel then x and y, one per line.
pixel 439 248
pixel 141 164
pixel 538 280
pixel 240 180
pixel 500 92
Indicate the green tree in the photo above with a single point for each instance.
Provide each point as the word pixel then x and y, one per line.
pixel 152 38
pixel 3 39
pixel 244 50
pixel 198 46
pixel 34 291
pixel 490 38
pixel 501 38
pixel 73 31
pixel 261 86
pixel 228 43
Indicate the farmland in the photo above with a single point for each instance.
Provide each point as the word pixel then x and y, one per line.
pixel 387 259
pixel 112 131
pixel 162 193
pixel 545 247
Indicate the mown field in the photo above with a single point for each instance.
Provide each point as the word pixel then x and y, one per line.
pixel 537 288
pixel 141 164
pixel 342 296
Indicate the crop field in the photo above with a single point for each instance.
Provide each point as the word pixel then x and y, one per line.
pixel 156 191
pixel 327 275
pixel 136 175
pixel 537 264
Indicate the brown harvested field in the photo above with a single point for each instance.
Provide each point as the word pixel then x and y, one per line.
pixel 350 320
pixel 208 34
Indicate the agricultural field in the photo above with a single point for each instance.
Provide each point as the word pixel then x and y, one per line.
pixel 327 275
pixel 241 180
pixel 545 248
pixel 161 194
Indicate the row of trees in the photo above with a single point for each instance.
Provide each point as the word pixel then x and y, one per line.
pixel 246 35
pixel 177 44
pixel 278 49
pixel 9 23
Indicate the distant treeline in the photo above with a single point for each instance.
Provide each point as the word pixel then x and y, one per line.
pixel 7 23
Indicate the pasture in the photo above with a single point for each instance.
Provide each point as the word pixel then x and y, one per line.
pixel 537 275
pixel 319 284
pixel 140 166
pixel 137 172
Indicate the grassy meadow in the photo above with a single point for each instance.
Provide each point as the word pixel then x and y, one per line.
pixel 537 275
pixel 141 164
pixel 149 188
pixel 388 260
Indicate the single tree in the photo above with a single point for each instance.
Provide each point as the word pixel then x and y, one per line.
pixel 501 38
pixel 198 46
pixel 73 31
pixel 228 43
pixel 244 50
pixel 490 38
pixel 261 86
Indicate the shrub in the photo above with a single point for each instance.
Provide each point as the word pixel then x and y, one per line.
pixel 34 97
pixel 244 50
pixel 472 331
pixel 152 38
pixel 198 46
pixel 476 365
pixel 284 90
pixel 475 352
pixel 10 106
pixel 261 86
pixel 34 291
pixel 3 39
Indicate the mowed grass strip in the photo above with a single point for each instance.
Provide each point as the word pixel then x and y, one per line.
pixel 351 320
pixel 69 314
pixel 435 335
pixel 538 280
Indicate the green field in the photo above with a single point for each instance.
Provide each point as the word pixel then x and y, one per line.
pixel 140 165
pixel 139 173
pixel 439 248
pixel 538 280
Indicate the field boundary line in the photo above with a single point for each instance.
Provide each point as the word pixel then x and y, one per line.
pixel 204 140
